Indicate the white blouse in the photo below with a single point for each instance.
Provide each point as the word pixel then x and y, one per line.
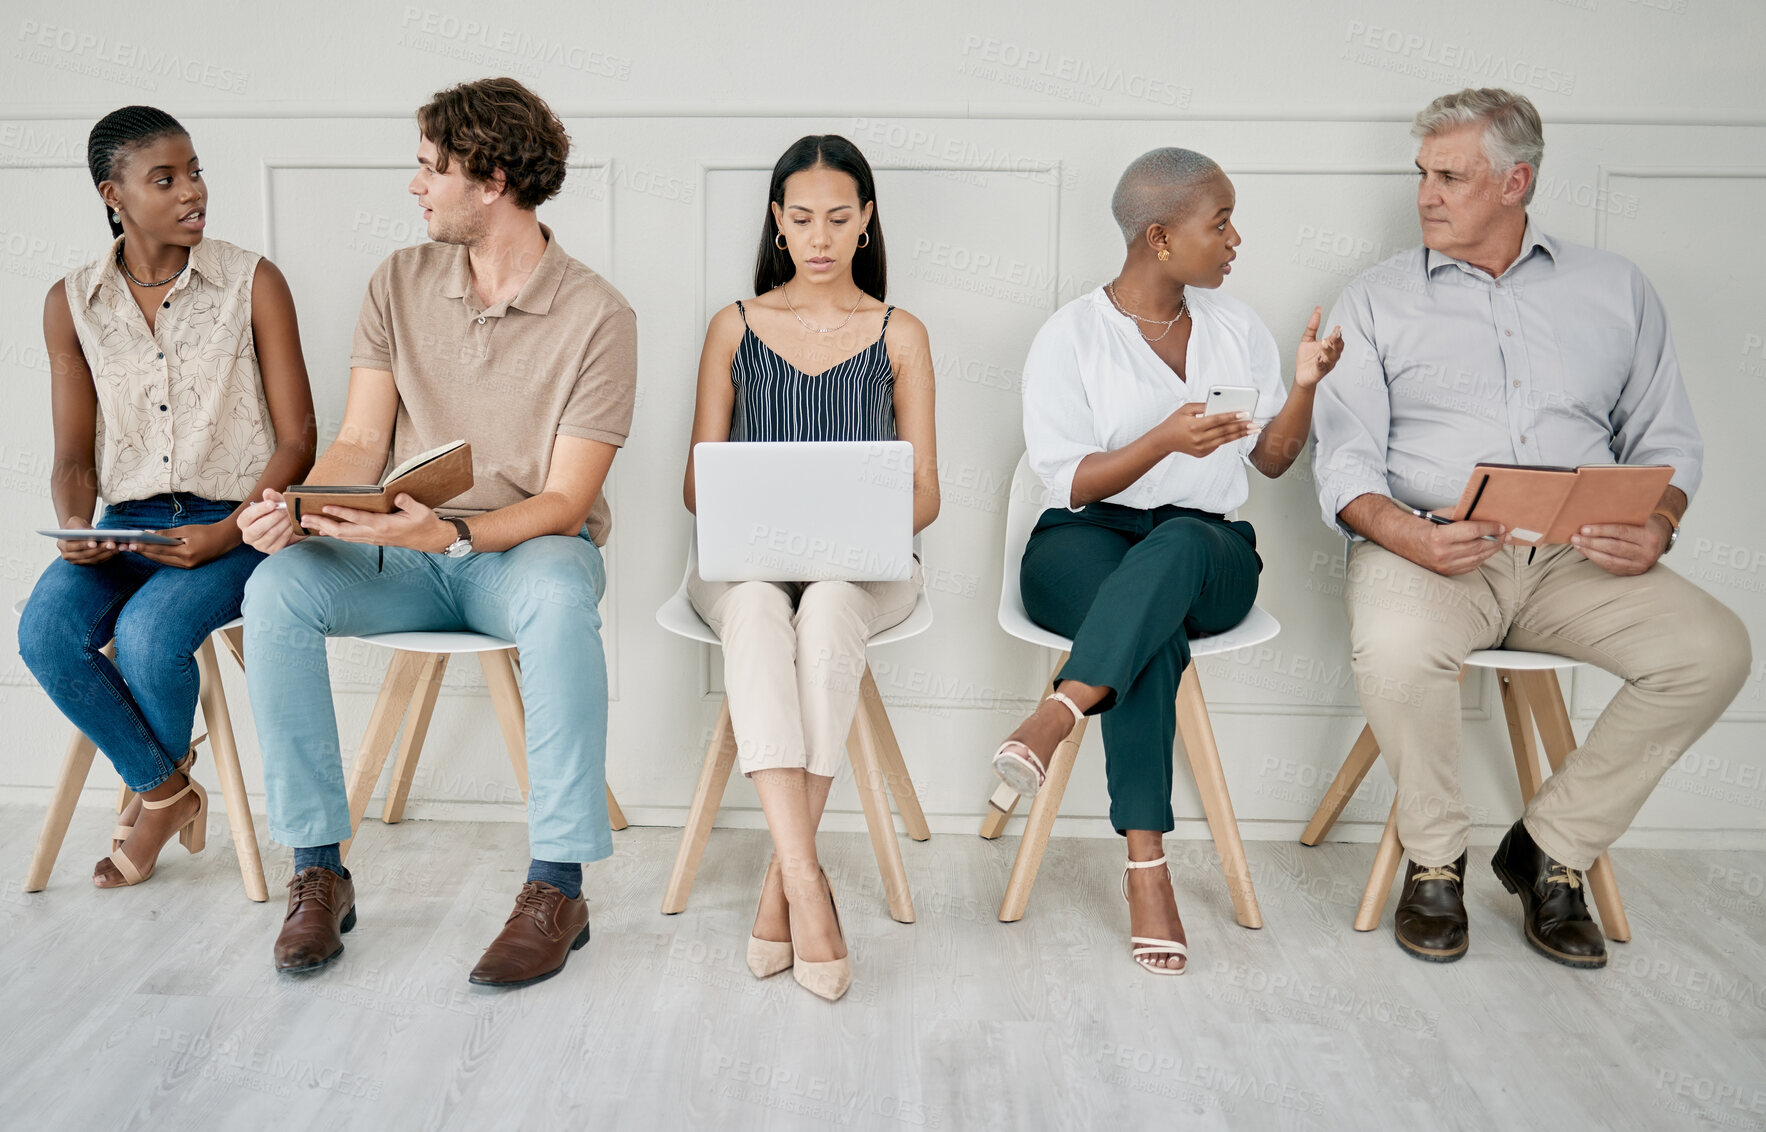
pixel 181 407
pixel 1093 384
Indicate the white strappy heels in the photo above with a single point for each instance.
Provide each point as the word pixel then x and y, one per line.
pixel 1145 947
pixel 1018 766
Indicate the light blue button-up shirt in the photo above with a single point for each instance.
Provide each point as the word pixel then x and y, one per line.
pixel 1563 359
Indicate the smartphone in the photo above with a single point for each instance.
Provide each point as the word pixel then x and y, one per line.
pixel 112 534
pixel 1231 399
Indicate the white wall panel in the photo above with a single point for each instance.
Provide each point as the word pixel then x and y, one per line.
pixel 998 131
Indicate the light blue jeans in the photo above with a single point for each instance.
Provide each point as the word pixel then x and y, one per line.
pixel 541 594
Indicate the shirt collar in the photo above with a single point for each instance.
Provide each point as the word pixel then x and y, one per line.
pixel 204 261
pixel 1531 238
pixel 536 294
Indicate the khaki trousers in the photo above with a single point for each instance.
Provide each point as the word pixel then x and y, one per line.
pixel 794 654
pixel 1682 654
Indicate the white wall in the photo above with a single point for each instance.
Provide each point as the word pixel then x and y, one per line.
pixel 998 130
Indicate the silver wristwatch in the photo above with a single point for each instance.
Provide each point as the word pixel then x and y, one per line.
pixel 461 546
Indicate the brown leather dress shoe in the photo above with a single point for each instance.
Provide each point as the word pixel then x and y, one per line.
pixel 321 907
pixel 536 939
pixel 1431 919
pixel 1554 916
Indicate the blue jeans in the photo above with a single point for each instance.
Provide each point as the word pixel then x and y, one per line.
pixel 542 595
pixel 138 708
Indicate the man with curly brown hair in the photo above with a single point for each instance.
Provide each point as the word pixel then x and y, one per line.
pixel 492 334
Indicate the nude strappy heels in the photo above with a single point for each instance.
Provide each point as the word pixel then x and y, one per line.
pixel 121 832
pixel 1018 766
pixel 1145 947
pixel 193 835
pixel 829 979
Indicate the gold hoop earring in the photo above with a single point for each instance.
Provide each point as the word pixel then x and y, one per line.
pixel 1164 255
pixel 864 239
pixel 779 240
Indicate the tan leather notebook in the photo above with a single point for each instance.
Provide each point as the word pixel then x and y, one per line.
pixel 1544 505
pixel 431 478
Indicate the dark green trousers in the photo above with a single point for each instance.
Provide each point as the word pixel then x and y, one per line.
pixel 1129 586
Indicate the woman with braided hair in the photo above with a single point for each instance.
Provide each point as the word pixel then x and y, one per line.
pixel 178 393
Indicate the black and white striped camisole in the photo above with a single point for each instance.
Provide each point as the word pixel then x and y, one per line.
pixel 775 400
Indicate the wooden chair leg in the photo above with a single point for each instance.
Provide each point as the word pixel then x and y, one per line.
pixel 1379 880
pixel 714 776
pixel 615 815
pixel 123 796
pixel 1343 787
pixel 404 767
pixel 1005 799
pixel 862 745
pixel 999 811
pixel 234 639
pixel 505 689
pixel 383 726
pixel 1518 710
pixel 1546 696
pixel 68 784
pixel 889 760
pixel 1197 733
pixel 1040 824
pixel 226 751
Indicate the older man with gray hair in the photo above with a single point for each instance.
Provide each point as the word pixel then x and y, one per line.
pixel 1496 343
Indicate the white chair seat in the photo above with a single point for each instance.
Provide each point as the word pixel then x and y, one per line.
pixel 678 616
pixel 436 640
pixel 1519 660
pixel 1028 501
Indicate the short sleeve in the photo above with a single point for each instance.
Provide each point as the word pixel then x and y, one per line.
pixel 1266 373
pixel 1058 430
pixel 372 346
pixel 601 403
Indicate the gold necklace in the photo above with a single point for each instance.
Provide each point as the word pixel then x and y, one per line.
pixel 817 329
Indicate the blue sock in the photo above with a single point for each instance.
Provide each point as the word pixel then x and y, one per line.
pixel 566 877
pixel 324 856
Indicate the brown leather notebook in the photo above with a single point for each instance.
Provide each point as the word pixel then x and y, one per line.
pixel 1544 505
pixel 431 478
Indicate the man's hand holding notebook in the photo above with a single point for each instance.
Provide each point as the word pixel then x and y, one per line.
pixel 431 478
pixel 1545 505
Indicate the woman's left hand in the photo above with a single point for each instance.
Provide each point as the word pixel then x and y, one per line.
pixel 1314 359
pixel 203 543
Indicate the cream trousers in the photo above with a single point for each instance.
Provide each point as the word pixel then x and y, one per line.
pixel 1682 654
pixel 794 654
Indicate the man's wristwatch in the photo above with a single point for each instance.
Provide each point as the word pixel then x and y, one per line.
pixel 1673 528
pixel 461 546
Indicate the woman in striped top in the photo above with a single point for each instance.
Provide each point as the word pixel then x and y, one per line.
pixel 816 355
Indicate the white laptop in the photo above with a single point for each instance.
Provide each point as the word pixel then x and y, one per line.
pixel 812 511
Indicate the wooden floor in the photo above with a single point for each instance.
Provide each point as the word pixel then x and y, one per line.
pixel 157 1008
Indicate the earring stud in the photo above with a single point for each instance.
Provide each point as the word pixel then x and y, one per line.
pixel 1164 255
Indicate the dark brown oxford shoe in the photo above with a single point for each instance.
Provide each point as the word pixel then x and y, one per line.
pixel 536 939
pixel 1431 919
pixel 1554 914
pixel 321 907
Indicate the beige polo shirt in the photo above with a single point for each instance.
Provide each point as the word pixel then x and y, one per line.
pixel 559 359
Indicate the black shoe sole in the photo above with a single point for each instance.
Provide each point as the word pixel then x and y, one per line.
pixel 576 945
pixel 1580 962
pixel 349 921
pixel 1430 955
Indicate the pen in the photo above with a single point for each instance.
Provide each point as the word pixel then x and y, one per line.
pixel 1439 521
